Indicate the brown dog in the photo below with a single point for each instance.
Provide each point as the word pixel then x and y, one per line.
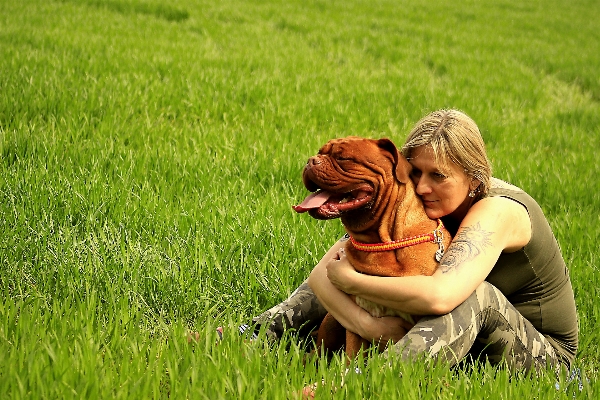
pixel 366 183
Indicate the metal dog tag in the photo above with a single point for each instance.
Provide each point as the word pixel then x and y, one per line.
pixel 439 239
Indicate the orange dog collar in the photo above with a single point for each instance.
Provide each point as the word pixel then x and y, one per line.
pixel 437 236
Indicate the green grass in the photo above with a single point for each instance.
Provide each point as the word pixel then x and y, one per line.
pixel 150 152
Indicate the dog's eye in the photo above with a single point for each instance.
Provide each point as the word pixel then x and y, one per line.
pixel 341 156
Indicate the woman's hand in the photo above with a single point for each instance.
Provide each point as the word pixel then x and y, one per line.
pixel 341 273
pixel 385 329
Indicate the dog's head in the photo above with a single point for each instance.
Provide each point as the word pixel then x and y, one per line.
pixel 352 178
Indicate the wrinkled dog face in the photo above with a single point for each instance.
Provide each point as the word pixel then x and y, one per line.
pixel 346 178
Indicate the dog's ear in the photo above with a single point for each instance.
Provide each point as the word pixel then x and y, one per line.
pixel 401 166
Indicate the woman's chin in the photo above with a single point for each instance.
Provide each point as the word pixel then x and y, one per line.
pixel 433 213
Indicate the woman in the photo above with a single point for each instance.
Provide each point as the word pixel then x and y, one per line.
pixel 502 290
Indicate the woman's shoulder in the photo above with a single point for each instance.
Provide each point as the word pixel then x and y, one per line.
pixel 502 189
pixel 502 192
pixel 500 184
pixel 501 211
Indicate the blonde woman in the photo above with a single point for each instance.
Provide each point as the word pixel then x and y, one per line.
pixel 502 290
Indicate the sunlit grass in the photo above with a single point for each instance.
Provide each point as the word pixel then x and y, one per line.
pixel 150 152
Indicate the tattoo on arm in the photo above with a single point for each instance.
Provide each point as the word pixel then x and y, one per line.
pixel 468 243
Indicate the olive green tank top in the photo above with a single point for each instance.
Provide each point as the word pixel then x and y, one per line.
pixel 536 281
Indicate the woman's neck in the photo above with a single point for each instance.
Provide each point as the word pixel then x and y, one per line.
pixel 451 224
pixel 452 221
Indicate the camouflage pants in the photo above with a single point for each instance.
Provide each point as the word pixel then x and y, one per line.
pixel 485 326
pixel 301 311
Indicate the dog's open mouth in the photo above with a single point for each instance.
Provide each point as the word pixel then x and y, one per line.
pixel 325 204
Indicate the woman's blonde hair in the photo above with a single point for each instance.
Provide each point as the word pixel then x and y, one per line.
pixel 453 137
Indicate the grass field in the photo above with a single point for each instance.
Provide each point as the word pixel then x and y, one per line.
pixel 150 152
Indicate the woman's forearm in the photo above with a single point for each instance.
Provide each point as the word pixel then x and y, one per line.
pixel 350 315
pixel 417 295
pixel 411 294
pixel 337 303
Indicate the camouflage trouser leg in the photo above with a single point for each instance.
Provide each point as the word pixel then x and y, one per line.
pixel 301 311
pixel 486 325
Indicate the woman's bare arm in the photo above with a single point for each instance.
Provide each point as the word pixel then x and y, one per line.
pixel 492 225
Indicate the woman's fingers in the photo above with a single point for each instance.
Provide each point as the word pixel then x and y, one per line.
pixel 340 254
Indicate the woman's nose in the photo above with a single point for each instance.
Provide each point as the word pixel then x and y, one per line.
pixel 422 186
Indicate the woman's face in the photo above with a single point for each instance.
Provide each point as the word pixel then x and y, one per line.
pixel 444 193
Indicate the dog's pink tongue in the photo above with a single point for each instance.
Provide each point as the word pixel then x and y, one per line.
pixel 314 200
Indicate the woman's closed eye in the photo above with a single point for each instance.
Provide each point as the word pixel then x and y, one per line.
pixel 438 176
pixel 416 174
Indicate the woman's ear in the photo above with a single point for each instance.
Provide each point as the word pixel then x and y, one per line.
pixel 474 185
